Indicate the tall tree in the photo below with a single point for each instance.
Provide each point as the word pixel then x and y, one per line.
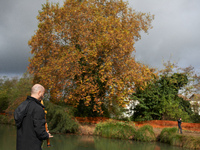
pixel 160 100
pixel 83 50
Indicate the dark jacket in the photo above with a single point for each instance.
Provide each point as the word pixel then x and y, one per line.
pixel 179 122
pixel 30 122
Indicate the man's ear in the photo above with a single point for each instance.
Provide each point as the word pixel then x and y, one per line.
pixel 39 93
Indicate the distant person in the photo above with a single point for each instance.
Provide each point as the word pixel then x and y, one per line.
pixel 179 125
pixel 30 121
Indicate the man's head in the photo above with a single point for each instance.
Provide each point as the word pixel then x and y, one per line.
pixel 37 91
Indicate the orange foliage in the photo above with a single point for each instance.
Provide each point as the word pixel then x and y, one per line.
pixel 93 120
pixel 3 114
pixel 82 51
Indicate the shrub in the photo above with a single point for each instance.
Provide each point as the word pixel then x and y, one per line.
pixel 60 119
pixel 145 134
pixel 176 140
pixel 166 133
pixel 191 142
pixel 115 129
pixel 169 135
pixel 7 119
pixel 4 102
pixel 2 119
pixel 11 108
pixel 195 118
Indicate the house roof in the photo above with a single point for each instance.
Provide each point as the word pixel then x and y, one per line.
pixel 195 97
pixel 184 97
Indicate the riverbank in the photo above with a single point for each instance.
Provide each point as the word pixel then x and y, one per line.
pixel 88 129
pixel 190 137
pixel 87 125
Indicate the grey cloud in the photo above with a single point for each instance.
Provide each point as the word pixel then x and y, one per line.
pixel 17 24
pixel 175 32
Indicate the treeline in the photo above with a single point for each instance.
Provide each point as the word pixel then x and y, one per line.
pixel 13 89
pixel 159 98
pixel 167 96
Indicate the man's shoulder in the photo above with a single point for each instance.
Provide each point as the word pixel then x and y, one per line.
pixel 36 105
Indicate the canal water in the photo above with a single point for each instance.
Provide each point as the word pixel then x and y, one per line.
pixel 77 142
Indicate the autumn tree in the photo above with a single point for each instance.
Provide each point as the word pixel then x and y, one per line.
pixel 82 51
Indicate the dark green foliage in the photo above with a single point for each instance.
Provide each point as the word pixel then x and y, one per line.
pixel 4 102
pixel 14 88
pixel 60 119
pixel 166 134
pixel 196 118
pixel 87 111
pixel 159 100
pixel 7 119
pixel 170 136
pixel 145 134
pixel 115 129
pixel 3 119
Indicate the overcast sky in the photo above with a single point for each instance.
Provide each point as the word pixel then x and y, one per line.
pixel 175 35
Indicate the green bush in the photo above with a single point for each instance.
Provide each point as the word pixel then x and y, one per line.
pixel 115 129
pixel 7 120
pixel 195 118
pixel 176 140
pixel 166 134
pixel 4 102
pixel 145 134
pixel 2 119
pixel 191 142
pixel 170 136
pixel 60 119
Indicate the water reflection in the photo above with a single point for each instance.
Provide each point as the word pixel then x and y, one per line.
pixel 7 137
pixel 75 142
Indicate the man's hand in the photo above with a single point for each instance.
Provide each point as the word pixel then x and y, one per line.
pixel 50 136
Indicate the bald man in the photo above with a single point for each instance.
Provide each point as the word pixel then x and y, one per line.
pixel 30 121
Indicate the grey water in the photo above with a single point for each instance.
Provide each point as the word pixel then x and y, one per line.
pixel 78 142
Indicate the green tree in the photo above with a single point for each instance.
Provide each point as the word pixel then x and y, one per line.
pixel 160 100
pixel 82 52
pixel 13 91
pixel 6 91
pixel 4 102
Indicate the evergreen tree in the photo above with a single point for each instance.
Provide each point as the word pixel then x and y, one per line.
pixel 160 100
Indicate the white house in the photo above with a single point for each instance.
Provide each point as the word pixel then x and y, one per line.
pixel 195 103
pixel 129 108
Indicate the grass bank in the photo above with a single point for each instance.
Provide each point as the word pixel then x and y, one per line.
pixel 146 133
pixel 115 129
pixel 124 130
pixel 170 136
